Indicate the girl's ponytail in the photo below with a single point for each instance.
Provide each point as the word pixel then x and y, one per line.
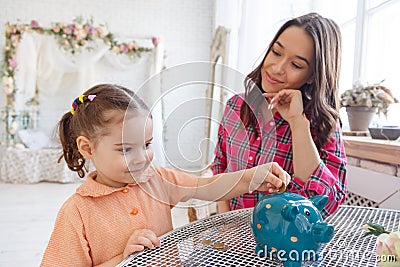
pixel 74 159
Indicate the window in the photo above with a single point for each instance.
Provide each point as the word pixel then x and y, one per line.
pixel 370 45
pixel 382 40
pixel 369 28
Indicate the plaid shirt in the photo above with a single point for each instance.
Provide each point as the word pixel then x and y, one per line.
pixel 239 149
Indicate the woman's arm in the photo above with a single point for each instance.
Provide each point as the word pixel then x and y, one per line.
pixel 289 104
pixel 305 153
pixel 315 172
pixel 330 176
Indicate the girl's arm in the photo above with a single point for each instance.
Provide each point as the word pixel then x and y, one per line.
pixel 113 262
pixel 266 177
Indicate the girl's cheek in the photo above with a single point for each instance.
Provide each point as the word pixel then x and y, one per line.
pixel 150 154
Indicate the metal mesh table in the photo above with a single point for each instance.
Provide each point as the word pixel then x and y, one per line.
pixel 189 245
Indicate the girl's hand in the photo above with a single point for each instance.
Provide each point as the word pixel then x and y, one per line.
pixel 288 102
pixel 268 177
pixel 139 240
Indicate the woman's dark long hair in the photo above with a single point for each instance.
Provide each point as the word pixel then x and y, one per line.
pixel 320 98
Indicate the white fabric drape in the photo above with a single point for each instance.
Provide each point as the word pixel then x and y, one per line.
pixel 60 77
pixel 253 24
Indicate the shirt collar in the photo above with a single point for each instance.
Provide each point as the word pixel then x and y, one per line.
pixel 91 188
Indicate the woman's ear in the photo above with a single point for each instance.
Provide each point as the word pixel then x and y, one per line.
pixel 311 79
pixel 84 146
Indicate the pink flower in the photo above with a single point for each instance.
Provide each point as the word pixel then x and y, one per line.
pixel 34 24
pixel 78 34
pixel 155 41
pixel 89 30
pixel 387 245
pixel 15 39
pixel 7 90
pixel 12 63
pixel 56 28
pixel 101 31
pixel 68 30
pixel 388 249
pixel 124 48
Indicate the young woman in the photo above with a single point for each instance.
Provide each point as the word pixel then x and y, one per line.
pixel 124 205
pixel 297 82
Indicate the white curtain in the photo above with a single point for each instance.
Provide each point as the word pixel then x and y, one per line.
pixel 61 77
pixel 253 24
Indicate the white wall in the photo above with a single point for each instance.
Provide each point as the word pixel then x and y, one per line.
pixel 186 27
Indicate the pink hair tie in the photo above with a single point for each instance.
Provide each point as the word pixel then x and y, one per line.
pixel 91 97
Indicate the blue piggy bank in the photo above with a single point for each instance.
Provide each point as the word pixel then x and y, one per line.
pixel 290 227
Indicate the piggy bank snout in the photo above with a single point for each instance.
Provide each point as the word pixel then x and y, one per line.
pixel 322 232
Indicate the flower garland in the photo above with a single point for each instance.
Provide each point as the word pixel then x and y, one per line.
pixel 71 38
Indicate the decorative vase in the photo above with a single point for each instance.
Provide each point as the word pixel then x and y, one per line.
pixel 360 117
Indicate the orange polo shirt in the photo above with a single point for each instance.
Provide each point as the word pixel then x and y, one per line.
pixel 95 223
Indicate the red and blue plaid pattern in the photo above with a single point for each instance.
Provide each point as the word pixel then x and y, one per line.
pixel 239 149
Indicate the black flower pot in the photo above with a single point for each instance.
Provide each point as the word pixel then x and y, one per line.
pixel 385 132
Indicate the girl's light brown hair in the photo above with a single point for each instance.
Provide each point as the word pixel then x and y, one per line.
pixel 91 119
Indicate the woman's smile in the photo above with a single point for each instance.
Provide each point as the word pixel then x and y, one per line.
pixel 272 80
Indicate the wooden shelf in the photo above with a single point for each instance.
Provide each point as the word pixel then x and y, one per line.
pixel 374 149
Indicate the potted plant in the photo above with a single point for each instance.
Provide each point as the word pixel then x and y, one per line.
pixel 362 102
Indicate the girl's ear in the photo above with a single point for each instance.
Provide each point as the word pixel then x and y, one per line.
pixel 84 146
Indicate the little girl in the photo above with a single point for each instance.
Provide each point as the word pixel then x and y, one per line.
pixel 124 205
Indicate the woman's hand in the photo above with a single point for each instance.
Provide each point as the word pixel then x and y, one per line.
pixel 139 240
pixel 288 102
pixel 268 177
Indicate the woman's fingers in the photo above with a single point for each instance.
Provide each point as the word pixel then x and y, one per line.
pixel 280 98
